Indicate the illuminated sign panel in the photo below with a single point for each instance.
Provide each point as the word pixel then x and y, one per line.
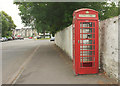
pixel 87 15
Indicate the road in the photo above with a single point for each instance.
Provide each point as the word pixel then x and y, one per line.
pixel 14 53
pixel 41 62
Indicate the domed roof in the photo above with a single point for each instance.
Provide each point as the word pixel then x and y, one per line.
pixel 84 9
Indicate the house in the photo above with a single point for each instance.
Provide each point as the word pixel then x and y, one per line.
pixel 25 32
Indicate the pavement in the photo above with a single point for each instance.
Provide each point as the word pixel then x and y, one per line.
pixel 14 54
pixel 48 64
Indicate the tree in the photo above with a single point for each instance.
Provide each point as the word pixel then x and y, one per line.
pixel 119 7
pixel 110 11
pixel 49 16
pixel 7 24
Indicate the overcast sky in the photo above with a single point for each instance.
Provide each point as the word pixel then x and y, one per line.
pixel 12 10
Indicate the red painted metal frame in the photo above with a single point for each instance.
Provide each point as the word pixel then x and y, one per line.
pixel 87 67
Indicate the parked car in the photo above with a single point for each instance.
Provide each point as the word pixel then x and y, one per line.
pixel 21 38
pixel 10 38
pixel 52 39
pixel 35 37
pixel 16 37
pixel 38 37
pixel 13 37
pixel 30 37
pixel 1 39
pixel 5 39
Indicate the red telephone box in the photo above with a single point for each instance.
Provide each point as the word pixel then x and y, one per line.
pixel 85 41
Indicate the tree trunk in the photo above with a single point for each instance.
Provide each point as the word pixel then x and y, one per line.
pixel 44 34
